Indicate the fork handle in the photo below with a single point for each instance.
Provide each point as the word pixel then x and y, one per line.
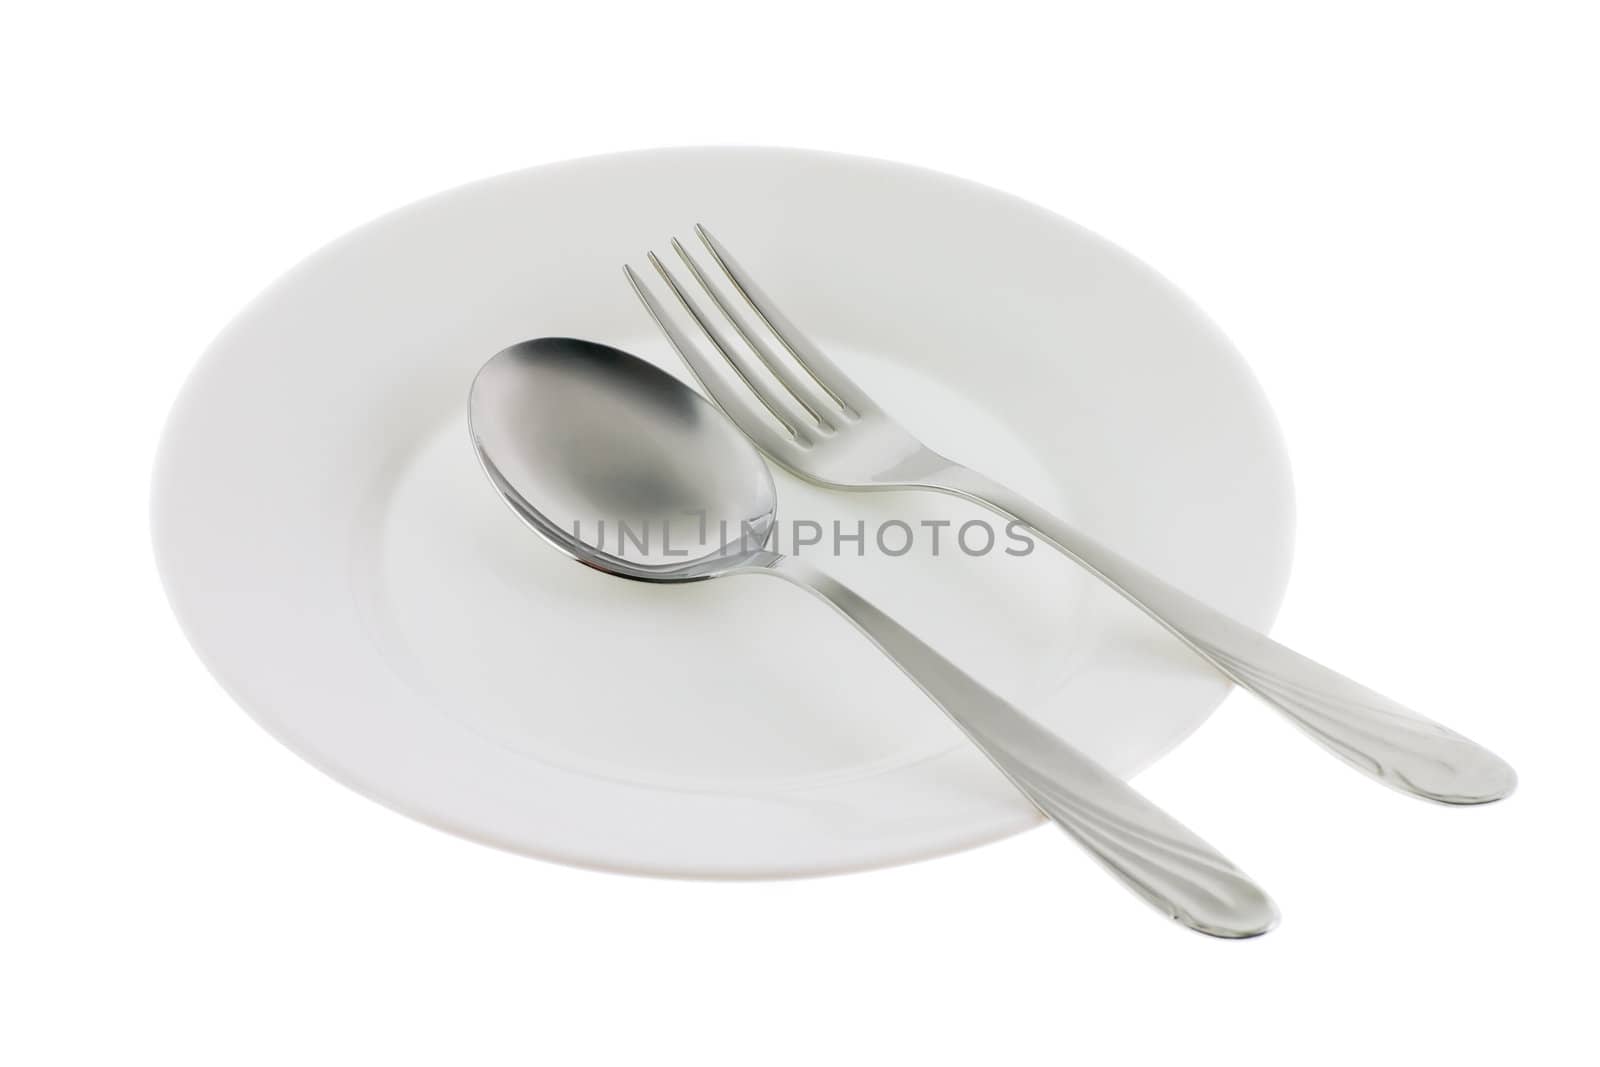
pixel 1370 732
pixel 1147 849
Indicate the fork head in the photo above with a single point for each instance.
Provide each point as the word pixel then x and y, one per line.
pixel 774 383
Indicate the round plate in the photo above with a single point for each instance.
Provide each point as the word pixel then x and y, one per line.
pixel 343 567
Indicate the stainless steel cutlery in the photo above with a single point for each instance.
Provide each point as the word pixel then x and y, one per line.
pixel 575 434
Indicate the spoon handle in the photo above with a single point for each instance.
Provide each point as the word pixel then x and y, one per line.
pixel 1370 732
pixel 1147 849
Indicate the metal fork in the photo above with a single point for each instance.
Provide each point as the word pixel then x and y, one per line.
pixel 819 424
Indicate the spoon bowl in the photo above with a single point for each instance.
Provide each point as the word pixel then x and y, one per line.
pixel 618 464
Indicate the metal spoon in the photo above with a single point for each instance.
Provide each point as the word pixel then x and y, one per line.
pixel 628 470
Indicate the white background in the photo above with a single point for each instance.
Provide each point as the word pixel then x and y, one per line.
pixel 1391 209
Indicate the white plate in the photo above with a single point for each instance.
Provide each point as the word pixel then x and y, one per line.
pixel 344 569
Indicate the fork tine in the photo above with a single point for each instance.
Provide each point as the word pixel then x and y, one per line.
pixel 766 426
pixel 808 397
pixel 779 405
pixel 822 370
